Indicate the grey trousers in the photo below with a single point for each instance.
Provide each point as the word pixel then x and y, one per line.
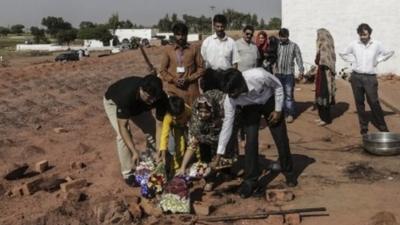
pixel 366 85
pixel 144 121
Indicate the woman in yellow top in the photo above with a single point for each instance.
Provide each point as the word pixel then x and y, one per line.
pixel 174 132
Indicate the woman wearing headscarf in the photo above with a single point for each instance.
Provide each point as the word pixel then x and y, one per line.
pixel 325 87
pixel 262 43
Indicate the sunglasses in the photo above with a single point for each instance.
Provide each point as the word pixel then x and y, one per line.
pixel 249 34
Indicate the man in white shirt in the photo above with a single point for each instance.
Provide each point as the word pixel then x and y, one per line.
pixel 248 51
pixel 259 93
pixel 365 54
pixel 219 53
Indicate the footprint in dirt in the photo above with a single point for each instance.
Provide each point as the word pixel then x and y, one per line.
pixel 363 172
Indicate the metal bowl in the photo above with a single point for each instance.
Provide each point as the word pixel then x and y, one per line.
pixel 382 143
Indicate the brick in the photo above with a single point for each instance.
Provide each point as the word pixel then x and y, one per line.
pixel 202 209
pixel 17 191
pixel 75 184
pixel 150 209
pixel 69 178
pixel 292 219
pixel 75 196
pixel 275 220
pixel 31 187
pixel 135 210
pixel 42 166
pixel 279 195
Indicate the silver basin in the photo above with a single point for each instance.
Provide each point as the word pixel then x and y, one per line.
pixel 382 143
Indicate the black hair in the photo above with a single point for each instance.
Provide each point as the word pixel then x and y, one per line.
pixel 233 81
pixel 248 27
pixel 180 28
pixel 152 85
pixel 364 27
pixel 283 32
pixel 219 18
pixel 176 105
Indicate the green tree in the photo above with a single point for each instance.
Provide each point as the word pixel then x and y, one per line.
pixel 274 23
pixel 38 35
pixel 100 32
pixel 55 24
pixel 262 25
pixel 164 24
pixel 126 24
pixel 4 31
pixel 113 22
pixel 66 36
pixel 86 24
pixel 254 20
pixel 17 29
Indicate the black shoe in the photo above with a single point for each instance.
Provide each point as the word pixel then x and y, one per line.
pixel 245 189
pixel 259 192
pixel 130 181
pixel 291 183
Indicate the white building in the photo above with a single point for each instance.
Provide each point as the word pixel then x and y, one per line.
pixel 341 18
pixel 127 34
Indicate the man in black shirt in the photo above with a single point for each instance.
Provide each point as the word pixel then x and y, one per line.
pixel 125 100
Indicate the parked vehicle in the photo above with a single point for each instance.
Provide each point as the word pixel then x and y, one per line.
pixel 68 56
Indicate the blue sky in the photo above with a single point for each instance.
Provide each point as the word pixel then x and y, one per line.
pixel 146 12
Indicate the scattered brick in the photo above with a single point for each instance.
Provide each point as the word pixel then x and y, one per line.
pixel 202 209
pixel 75 184
pixel 31 187
pixel 275 220
pixel 135 210
pixel 150 209
pixel 42 166
pixel 279 195
pixel 292 219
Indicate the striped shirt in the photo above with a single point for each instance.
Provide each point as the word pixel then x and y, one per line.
pixel 287 53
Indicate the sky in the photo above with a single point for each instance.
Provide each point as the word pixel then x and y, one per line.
pixel 145 12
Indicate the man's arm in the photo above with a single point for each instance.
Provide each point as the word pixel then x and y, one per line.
pixel 348 54
pixel 199 66
pixel 164 74
pixel 383 54
pixel 299 59
pixel 235 56
pixel 123 125
pixel 227 125
pixel 273 81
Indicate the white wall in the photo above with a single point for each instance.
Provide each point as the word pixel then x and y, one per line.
pixel 341 18
pixel 129 33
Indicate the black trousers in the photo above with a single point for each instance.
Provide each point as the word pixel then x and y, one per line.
pixel 251 116
pixel 366 85
pixel 324 113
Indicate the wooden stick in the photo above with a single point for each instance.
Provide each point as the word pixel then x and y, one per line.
pixel 151 67
pixel 259 215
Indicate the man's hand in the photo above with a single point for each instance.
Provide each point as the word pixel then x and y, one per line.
pixel 180 172
pixel 161 157
pixel 215 162
pixel 274 117
pixel 301 76
pixel 182 82
pixel 135 158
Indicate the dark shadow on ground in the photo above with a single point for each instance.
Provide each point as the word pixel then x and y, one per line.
pixel 301 107
pixel 339 109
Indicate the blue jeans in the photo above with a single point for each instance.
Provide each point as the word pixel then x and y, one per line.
pixel 287 81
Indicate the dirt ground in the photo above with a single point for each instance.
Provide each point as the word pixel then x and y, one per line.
pixel 37 96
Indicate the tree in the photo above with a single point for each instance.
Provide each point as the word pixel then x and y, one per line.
pixel 274 23
pixel 164 24
pixel 55 24
pixel 86 24
pixel 113 22
pixel 4 31
pixel 126 24
pixel 66 36
pixel 254 20
pixel 17 29
pixel 38 35
pixel 262 25
pixel 100 32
